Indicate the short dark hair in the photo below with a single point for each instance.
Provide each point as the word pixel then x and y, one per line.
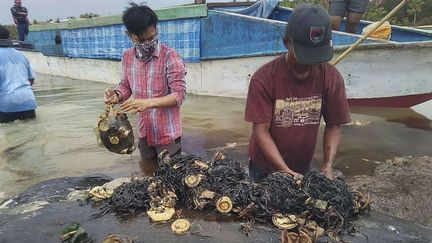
pixel 138 18
pixel 4 32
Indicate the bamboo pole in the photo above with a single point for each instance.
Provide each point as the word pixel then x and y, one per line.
pixel 367 34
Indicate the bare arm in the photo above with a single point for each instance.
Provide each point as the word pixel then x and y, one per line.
pixel 269 148
pixel 140 105
pixel 331 139
pixel 13 12
pixel 23 14
pixel 379 2
pixel 325 3
pixel 161 102
pixel 123 91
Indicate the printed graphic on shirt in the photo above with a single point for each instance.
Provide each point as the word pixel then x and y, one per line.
pixel 295 111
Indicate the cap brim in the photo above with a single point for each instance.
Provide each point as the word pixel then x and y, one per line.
pixel 312 55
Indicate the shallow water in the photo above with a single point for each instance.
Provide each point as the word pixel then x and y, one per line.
pixel 61 141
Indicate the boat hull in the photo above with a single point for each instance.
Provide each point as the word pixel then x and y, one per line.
pixel 396 101
pixel 374 75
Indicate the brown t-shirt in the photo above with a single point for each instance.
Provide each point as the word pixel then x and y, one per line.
pixel 294 108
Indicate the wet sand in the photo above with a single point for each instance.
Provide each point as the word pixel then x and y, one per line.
pixel 400 187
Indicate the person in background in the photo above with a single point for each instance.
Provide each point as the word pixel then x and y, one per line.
pixel 17 100
pixel 353 9
pixel 20 16
pixel 154 76
pixel 288 96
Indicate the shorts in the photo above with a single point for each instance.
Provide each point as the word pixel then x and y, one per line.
pixel 151 153
pixel 21 115
pixel 340 7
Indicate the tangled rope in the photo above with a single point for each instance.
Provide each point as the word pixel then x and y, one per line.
pixel 189 181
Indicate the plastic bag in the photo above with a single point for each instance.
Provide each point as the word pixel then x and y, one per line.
pixel 383 32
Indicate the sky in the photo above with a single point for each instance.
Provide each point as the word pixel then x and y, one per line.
pixel 42 10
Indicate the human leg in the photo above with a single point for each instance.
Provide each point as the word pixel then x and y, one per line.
pixel 356 9
pixel 6 117
pixel 21 28
pixel 337 10
pixel 173 148
pixel 26 115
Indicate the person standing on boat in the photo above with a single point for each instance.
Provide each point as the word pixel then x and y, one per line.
pixel 20 16
pixel 288 96
pixel 154 76
pixel 17 100
pixel 353 9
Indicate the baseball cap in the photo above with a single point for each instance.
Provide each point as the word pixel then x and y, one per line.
pixel 310 30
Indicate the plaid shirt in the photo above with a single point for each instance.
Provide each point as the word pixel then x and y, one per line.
pixel 163 74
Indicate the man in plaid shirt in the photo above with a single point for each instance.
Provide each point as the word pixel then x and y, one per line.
pixel 154 77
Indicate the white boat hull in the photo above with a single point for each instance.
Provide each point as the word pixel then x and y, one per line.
pixel 395 75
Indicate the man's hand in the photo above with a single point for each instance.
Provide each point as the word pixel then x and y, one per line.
pixel 379 2
pixel 293 173
pixel 136 105
pixel 110 97
pixel 328 172
pixel 325 4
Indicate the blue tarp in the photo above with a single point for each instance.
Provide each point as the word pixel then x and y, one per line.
pixel 44 41
pixel 227 35
pixel 260 9
pixel 109 42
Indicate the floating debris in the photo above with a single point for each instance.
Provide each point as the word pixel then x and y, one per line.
pixel 99 193
pixel 180 226
pixel 359 123
pixel 111 185
pixel 193 180
pixel 158 214
pixel 115 238
pixel 295 237
pixel 230 145
pixel 74 233
pixel 284 221
pixel 224 205
pixel 81 196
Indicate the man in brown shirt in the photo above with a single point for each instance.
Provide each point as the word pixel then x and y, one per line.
pixel 288 96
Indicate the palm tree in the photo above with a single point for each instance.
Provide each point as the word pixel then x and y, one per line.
pixel 414 7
